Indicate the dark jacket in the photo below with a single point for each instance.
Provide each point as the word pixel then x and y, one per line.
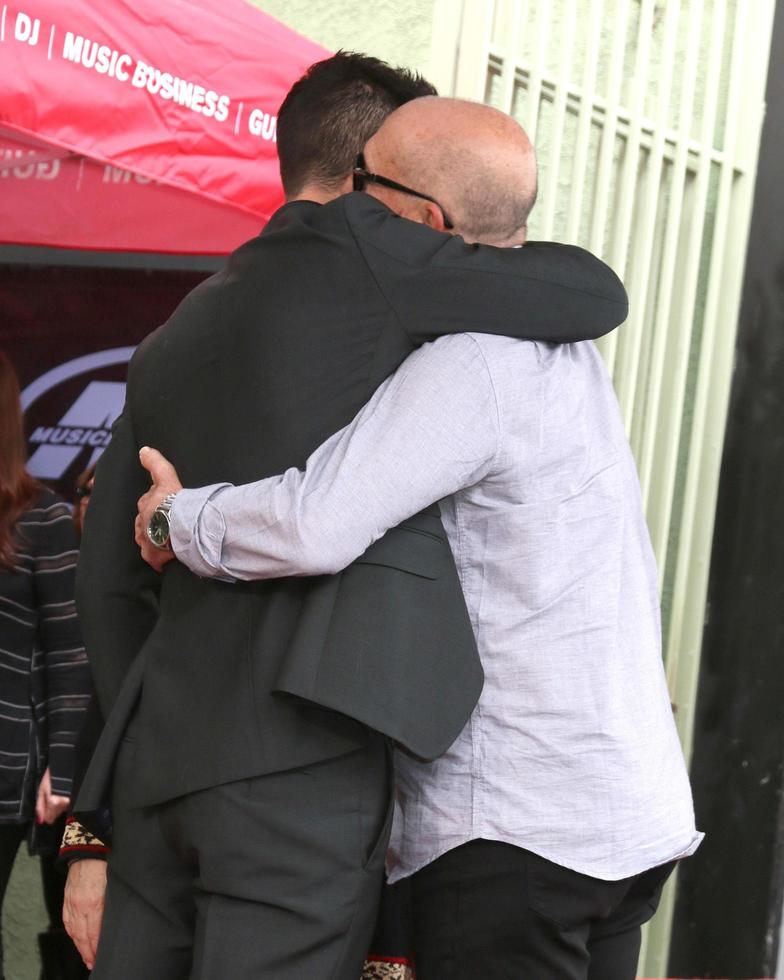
pixel 256 367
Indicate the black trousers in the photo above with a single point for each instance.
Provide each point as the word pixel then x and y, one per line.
pixel 277 876
pixel 487 911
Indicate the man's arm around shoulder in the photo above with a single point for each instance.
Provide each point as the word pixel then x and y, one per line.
pixel 429 430
pixel 437 284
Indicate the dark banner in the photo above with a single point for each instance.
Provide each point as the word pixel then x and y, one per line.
pixel 70 333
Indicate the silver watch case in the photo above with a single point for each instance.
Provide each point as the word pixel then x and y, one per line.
pixel 159 526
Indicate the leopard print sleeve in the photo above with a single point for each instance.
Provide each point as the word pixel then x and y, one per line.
pixel 380 968
pixel 79 843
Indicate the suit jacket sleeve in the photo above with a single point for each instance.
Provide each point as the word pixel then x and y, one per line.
pixel 116 591
pixel 437 284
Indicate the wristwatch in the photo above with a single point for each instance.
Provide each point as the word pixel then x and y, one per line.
pixel 159 526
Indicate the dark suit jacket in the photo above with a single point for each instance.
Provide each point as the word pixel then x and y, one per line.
pixel 256 367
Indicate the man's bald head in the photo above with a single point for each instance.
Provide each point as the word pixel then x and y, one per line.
pixel 475 161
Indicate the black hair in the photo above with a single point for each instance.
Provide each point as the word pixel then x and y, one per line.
pixel 333 110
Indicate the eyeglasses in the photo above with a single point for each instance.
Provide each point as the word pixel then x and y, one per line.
pixel 363 176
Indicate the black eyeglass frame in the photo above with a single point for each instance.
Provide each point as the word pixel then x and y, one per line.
pixel 361 175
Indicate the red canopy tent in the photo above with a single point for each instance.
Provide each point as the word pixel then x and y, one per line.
pixel 141 126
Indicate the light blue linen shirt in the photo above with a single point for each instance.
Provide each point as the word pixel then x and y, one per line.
pixel 572 751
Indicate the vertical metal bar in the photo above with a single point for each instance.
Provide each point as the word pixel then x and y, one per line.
pixel 712 384
pixel 604 176
pixel 552 170
pixel 670 416
pixel 668 319
pixel 445 44
pixel 500 11
pixel 511 51
pixel 633 399
pixel 476 30
pixel 628 343
pixel 541 35
pixel 628 175
pixel 580 171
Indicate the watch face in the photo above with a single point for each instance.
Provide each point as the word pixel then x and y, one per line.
pixel 158 529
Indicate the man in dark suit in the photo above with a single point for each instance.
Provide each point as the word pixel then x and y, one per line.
pixel 252 790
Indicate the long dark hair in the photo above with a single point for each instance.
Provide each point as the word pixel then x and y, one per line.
pixel 18 489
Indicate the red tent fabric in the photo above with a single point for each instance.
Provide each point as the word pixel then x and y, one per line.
pixel 143 125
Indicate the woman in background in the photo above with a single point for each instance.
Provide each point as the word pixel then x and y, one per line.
pixel 44 677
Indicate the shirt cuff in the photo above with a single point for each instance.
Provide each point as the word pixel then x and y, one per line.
pixel 197 530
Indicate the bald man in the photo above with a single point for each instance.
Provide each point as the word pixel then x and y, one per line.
pixel 539 843
pixel 472 156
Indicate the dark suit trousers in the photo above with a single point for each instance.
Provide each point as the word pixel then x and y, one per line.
pixel 274 877
pixel 492 911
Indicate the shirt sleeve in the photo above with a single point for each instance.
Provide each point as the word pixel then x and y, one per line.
pixel 429 430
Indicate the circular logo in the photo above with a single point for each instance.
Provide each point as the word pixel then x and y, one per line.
pixel 69 412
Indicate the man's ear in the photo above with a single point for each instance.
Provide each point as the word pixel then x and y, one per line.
pixel 433 216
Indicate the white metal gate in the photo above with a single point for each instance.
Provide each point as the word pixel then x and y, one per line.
pixel 646 115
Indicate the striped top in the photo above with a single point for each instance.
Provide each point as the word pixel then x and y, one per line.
pixel 44 676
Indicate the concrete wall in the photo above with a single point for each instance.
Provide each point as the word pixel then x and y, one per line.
pixel 397 31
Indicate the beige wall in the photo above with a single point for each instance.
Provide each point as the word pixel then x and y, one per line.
pixel 397 31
